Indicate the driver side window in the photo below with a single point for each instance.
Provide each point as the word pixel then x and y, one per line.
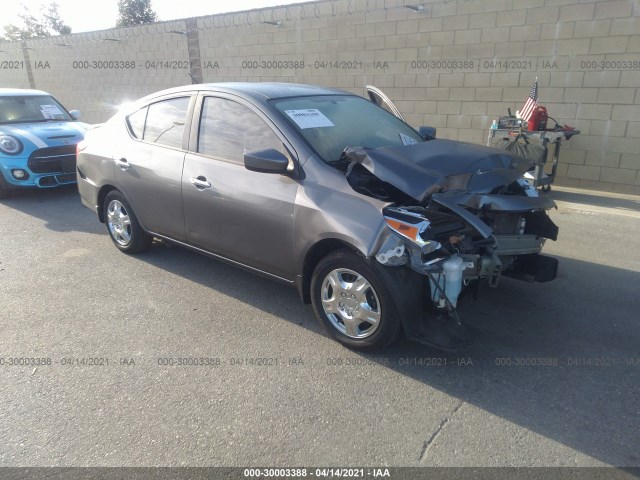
pixel 229 129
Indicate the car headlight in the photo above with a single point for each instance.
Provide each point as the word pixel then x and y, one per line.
pixel 410 226
pixel 10 145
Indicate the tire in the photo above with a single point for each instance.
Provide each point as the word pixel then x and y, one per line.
pixel 123 226
pixel 351 302
pixel 4 192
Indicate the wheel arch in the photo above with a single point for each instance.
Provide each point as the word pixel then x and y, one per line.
pixel 102 194
pixel 406 287
pixel 316 253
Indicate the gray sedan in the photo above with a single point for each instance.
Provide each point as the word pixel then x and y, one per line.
pixel 381 227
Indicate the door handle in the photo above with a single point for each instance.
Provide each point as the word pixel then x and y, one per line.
pixel 200 182
pixel 122 163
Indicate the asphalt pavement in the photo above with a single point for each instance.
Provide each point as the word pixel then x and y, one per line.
pixel 172 359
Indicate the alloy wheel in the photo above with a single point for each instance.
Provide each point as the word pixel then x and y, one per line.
pixel 119 223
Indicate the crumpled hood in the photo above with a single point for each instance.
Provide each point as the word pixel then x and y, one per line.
pixel 439 165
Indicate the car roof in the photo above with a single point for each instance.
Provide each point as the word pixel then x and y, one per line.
pixel 10 92
pixel 258 91
pixel 271 90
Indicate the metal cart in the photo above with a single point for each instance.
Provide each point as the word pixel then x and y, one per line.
pixel 537 175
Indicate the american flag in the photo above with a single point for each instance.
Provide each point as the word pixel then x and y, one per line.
pixel 531 104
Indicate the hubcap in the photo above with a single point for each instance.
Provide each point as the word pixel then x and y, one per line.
pixel 350 303
pixel 119 223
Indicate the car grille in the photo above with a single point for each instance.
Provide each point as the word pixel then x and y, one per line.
pixel 66 178
pixel 53 160
pixel 55 180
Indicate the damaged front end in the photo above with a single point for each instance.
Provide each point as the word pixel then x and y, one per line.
pixel 458 215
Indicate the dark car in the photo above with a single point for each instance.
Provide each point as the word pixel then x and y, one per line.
pixel 379 226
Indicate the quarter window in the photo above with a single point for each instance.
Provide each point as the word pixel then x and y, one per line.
pixel 229 129
pixel 165 122
pixel 136 122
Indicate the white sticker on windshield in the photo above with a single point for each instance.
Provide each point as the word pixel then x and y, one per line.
pixel 309 118
pixel 407 140
pixel 51 112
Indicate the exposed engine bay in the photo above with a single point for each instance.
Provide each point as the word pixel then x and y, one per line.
pixel 458 214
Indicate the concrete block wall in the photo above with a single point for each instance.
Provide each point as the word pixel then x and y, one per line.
pixel 455 65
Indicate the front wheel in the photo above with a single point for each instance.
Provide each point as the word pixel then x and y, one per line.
pixel 123 226
pixel 4 193
pixel 352 303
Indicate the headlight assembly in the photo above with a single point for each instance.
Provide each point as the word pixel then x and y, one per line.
pixel 411 226
pixel 10 145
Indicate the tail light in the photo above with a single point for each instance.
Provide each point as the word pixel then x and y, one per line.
pixel 81 146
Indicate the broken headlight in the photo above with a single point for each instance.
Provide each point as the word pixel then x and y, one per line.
pixel 410 226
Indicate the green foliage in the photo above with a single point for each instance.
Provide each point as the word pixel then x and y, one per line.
pixel 135 12
pixel 46 23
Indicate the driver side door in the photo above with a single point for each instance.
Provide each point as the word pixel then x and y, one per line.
pixel 242 215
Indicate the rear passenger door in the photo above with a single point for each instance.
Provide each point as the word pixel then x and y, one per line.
pixel 230 211
pixel 149 168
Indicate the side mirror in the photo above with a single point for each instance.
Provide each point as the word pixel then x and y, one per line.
pixel 266 161
pixel 428 133
pixel 75 114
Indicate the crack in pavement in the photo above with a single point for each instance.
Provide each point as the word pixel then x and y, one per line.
pixel 427 444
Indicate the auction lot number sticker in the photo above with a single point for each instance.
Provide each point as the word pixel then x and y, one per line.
pixel 309 118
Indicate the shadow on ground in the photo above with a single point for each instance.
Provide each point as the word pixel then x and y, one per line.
pixel 580 332
pixel 59 208
pixel 581 325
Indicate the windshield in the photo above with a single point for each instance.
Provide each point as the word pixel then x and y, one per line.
pixel 330 123
pixel 34 108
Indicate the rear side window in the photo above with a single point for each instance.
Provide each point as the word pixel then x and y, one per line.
pixel 165 122
pixel 229 129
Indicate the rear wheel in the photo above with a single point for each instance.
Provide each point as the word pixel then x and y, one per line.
pixel 352 303
pixel 123 226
